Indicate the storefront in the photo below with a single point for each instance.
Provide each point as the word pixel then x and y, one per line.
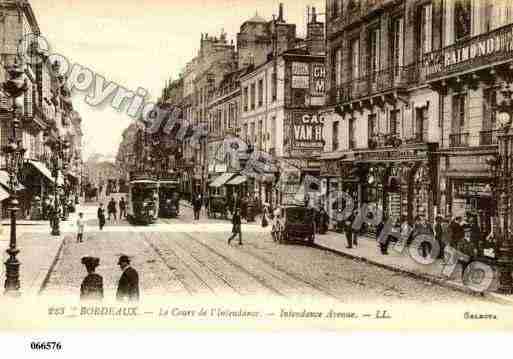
pixel 398 182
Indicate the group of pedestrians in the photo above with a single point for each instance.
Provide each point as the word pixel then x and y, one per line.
pixel 112 210
pixel 92 285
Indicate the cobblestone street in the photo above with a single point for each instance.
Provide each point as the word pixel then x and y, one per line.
pixel 177 257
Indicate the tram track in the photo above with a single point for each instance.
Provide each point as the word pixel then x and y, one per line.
pixel 293 276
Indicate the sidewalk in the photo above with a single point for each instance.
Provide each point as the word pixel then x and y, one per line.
pixel 402 262
pixel 39 252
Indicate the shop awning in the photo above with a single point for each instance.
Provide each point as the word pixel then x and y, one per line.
pixel 237 181
pixel 41 167
pixel 3 194
pixel 333 155
pixel 4 181
pixel 221 180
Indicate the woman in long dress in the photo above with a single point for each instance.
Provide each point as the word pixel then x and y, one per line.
pixel 92 285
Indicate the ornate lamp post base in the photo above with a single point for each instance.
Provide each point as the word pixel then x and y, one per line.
pixel 12 274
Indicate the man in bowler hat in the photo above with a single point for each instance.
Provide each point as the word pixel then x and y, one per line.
pixel 128 286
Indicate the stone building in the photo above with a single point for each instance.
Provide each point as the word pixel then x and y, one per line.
pixel 47 104
pixel 281 99
pixel 410 114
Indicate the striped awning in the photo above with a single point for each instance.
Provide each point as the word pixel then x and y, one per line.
pixel 237 181
pixel 3 194
pixel 221 180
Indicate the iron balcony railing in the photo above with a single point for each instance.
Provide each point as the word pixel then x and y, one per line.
pixel 459 139
pixel 374 83
pixel 487 138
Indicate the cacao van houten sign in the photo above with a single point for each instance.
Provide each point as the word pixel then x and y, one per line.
pixel 307 130
pixel 477 51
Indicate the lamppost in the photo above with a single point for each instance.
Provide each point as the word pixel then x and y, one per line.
pixel 15 86
pixel 502 192
pixel 58 147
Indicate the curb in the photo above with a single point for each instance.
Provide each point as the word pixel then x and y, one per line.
pixel 494 297
pixel 38 288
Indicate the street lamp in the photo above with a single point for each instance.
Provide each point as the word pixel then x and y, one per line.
pixel 58 147
pixel 503 195
pixel 15 86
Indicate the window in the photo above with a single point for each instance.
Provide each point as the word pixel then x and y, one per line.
pixel 420 121
pixel 334 8
pixel 274 85
pixel 352 132
pixel 459 110
pixel 338 67
pixel 355 56
pixel 334 134
pixel 252 138
pixel 425 33
pixel 245 99
pixel 245 132
pixel 462 19
pixel 490 99
pixel 374 47
pixel 260 138
pixel 397 45
pixel 394 118
pixel 273 131
pixel 260 92
pixel 252 96
pixel 372 125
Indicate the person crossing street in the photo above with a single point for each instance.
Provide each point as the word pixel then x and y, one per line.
pixel 236 229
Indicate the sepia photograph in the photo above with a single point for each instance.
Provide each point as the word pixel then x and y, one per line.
pixel 256 165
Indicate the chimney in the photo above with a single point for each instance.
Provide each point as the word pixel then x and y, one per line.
pixel 315 35
pixel 280 13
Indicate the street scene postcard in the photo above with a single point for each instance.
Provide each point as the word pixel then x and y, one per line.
pixel 257 165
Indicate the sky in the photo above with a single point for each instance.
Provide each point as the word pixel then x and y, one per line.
pixel 142 43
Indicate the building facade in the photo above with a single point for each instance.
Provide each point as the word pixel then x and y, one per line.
pixel 47 108
pixel 411 103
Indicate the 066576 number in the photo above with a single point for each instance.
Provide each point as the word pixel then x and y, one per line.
pixel 45 346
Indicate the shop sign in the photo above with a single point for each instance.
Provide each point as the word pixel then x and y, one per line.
pixel 307 130
pixel 396 155
pixel 330 168
pixel 300 82
pixel 464 189
pixel 481 50
pixel 300 69
pixel 318 80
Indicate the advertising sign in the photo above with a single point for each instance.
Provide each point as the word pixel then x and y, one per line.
pixel 307 130
pixel 318 86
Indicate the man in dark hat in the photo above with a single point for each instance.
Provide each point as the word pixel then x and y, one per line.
pixel 128 285
pixel 92 285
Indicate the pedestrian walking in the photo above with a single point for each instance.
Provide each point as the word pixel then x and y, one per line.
pixel 128 285
pixel 348 231
pixel 383 242
pixel 422 227
pixel 276 228
pixel 439 234
pixel 456 232
pixel 236 227
pixel 92 285
pixel 111 208
pixel 122 208
pixel 196 203
pixel 101 216
pixel 265 215
pixel 80 228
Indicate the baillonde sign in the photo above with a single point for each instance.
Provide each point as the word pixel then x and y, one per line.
pixel 480 50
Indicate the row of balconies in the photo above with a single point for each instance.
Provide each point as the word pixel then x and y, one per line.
pixel 462 139
pixel 486 138
pixel 393 78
